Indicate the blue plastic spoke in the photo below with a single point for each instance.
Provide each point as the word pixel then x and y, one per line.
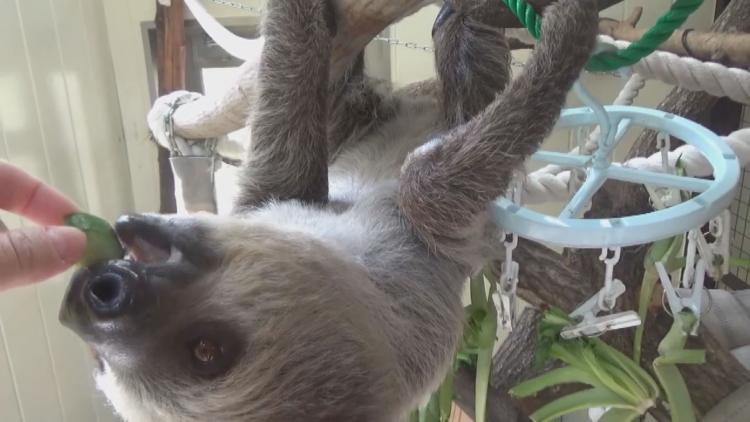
pixel 593 183
pixel 652 178
pixel 712 196
pixel 562 159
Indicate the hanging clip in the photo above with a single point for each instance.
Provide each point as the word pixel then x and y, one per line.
pixel 591 323
pixel 664 143
pixel 662 197
pixel 714 254
pixel 720 228
pixel 505 297
pixel 693 302
pixel 692 251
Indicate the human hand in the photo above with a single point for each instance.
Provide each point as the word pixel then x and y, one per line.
pixel 33 254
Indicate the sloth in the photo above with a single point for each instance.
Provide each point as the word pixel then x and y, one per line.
pixel 333 290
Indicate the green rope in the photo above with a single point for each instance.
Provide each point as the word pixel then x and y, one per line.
pixel 612 60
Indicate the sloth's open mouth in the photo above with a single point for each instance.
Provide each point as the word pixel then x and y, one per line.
pixel 145 243
pixel 147 252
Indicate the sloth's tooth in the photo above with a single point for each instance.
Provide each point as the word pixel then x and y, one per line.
pixel 175 256
pixel 145 251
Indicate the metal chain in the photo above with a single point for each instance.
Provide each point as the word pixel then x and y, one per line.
pixel 405 44
pixel 236 5
pixel 390 41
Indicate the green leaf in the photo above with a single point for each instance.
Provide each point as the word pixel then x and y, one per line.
pixel 414 416
pixel 739 262
pixel 432 410
pixel 446 397
pixel 678 396
pixel 466 359
pixel 548 334
pixel 618 358
pixel 664 250
pixel 658 251
pixel 632 384
pixel 684 357
pixel 619 386
pixel 620 415
pixel 594 397
pixel 672 350
pixel 477 291
pixel 564 375
pixel 484 359
pixel 647 291
pixel 101 241
pixel 569 352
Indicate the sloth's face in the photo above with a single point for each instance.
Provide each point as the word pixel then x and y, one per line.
pixel 228 320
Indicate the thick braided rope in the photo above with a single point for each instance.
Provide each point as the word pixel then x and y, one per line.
pixel 527 15
pixel 546 187
pixel 691 74
pixel 612 60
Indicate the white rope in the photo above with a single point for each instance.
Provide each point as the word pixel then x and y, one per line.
pixel 554 182
pixel 238 47
pixel 540 187
pixel 691 74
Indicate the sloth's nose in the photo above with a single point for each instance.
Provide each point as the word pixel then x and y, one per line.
pixel 112 290
pixel 109 294
pixel 98 296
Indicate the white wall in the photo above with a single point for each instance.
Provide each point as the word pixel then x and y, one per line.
pixel 60 121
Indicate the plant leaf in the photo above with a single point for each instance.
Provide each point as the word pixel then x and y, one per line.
pixel 678 396
pixel 564 375
pixel 484 358
pixel 618 358
pixel 594 397
pixel 101 241
pixel 446 397
pixel 620 415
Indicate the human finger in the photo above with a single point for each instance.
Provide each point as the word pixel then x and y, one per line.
pixel 34 254
pixel 29 197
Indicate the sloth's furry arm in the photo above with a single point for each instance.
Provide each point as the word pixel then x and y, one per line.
pixel 356 105
pixel 288 155
pixel 472 57
pixel 446 185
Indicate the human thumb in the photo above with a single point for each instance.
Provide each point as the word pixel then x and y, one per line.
pixel 34 254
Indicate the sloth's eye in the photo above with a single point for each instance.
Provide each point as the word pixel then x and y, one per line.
pixel 211 349
pixel 206 352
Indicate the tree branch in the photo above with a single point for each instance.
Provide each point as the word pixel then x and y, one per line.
pixel 731 49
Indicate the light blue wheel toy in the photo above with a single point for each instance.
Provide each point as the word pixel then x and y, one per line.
pixel 568 230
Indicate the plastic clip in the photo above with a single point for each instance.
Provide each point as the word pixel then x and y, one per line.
pixel 694 301
pixel 506 297
pixel 591 324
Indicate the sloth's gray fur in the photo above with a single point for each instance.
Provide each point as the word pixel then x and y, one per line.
pixel 362 213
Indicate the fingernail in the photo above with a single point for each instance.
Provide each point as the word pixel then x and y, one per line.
pixel 69 243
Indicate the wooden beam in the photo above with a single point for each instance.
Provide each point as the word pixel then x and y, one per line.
pixel 170 41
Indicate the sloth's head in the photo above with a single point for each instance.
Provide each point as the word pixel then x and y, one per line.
pixel 228 320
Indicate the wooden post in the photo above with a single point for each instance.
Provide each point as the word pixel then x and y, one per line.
pixel 170 41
